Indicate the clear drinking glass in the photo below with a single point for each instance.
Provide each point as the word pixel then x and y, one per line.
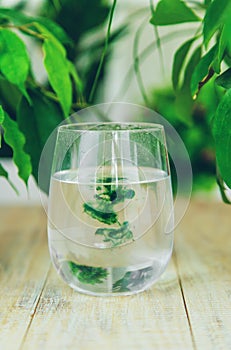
pixel 110 207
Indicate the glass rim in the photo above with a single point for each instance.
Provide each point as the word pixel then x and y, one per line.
pixel 105 127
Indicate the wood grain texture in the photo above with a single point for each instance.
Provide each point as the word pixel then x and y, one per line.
pixel 22 276
pixel 189 308
pixel 203 256
pixel 67 320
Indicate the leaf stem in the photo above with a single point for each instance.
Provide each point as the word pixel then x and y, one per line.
pixel 204 81
pixel 158 41
pixel 24 28
pixel 143 56
pixel 136 62
pixel 92 93
pixel 53 97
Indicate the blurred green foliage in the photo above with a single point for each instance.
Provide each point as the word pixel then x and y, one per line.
pixel 78 19
pixel 196 135
pixel 198 106
pixel 203 60
pixel 31 110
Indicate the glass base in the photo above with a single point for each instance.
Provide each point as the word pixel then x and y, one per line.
pixel 113 294
pixel 120 281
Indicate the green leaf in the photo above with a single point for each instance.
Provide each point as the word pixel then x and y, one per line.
pixel 184 101
pixel 48 35
pixel 18 18
pixel 76 78
pixel 210 97
pixel 116 236
pixel 37 122
pixel 216 14
pixel 179 59
pixel 201 70
pixel 224 44
pixel 195 58
pixel 111 193
pixel 56 30
pixel 183 107
pixel 57 69
pixel 108 218
pixel 222 188
pixel 10 94
pixel 14 60
pixel 20 5
pixel 173 12
pixel 122 284
pixel 2 115
pixel 5 174
pixel 16 140
pixel 227 59
pixel 222 134
pixel 224 79
pixel 88 274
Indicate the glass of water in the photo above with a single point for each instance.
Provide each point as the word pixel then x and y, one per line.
pixel 110 213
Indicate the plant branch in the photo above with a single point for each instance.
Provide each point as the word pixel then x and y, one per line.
pixel 136 61
pixel 158 41
pixel 25 29
pixel 143 56
pixel 51 96
pixel 204 81
pixel 92 93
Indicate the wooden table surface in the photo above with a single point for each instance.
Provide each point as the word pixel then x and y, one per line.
pixel 189 308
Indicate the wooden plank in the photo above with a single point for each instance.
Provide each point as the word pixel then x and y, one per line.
pixel 203 256
pixel 24 264
pixel 65 319
pixel 59 318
